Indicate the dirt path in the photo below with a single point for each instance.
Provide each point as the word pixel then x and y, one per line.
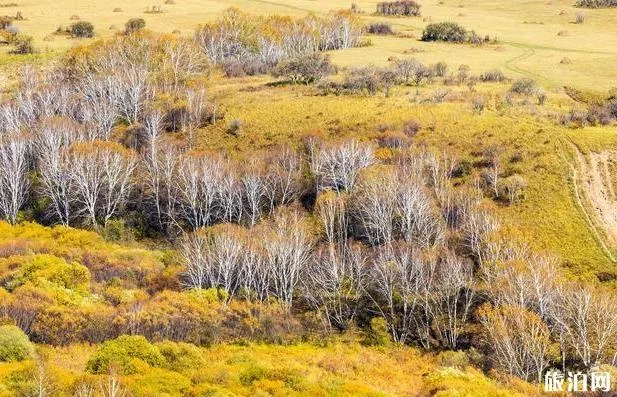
pixel 594 183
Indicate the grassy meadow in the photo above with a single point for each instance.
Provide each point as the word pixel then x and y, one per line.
pixel 533 37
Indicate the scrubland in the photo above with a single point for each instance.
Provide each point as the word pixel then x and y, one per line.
pixel 268 200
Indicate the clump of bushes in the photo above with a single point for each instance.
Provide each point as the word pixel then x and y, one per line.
pixel 580 17
pixel 444 31
pixel 122 353
pixel 478 104
pixel 405 8
pixel 493 75
pixel 82 29
pixel 596 3
pixel 380 28
pixel 133 25
pixel 439 69
pixel 512 188
pixel 305 69
pixel 451 32
pixel 22 44
pixel 14 344
pixel 362 80
pixel 5 22
pixel 411 128
pixel 241 68
pixel 524 86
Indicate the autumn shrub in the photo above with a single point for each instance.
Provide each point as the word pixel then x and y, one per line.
pixel 305 69
pixel 251 374
pixel 381 28
pixel 493 75
pixel 133 25
pixel 524 86
pixel 378 334
pixel 5 22
pixel 405 8
pixel 241 68
pixel 60 325
pixel 122 352
pixel 439 69
pixel 191 316
pixel 181 357
pixel 46 271
pixel 512 188
pixel 14 344
pixel 411 128
pixel 82 29
pixel 158 382
pixel 22 44
pixel 394 140
pixel 362 80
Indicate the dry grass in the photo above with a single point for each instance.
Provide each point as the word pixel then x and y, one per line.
pixel 526 49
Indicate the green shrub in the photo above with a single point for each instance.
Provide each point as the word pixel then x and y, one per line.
pixel 14 344
pixel 46 270
pixel 82 29
pixel 180 357
pixel 444 31
pixel 122 353
pixel 133 25
pixel 252 374
pixel 378 334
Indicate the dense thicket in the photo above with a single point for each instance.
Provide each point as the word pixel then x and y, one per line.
pixel 406 8
pixel 250 43
pixel 451 32
pixel 596 3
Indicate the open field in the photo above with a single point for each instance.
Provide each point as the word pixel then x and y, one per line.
pixel 527 32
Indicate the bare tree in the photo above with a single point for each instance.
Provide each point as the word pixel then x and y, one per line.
pixel 256 274
pixel 254 188
pixel 588 322
pixel 197 183
pixel 287 250
pixel 396 286
pixel 214 258
pixel 14 168
pixel 417 215
pixel 519 340
pixel 101 174
pixel 331 210
pixel 197 112
pixel 338 166
pixel 182 60
pixel 283 177
pixel 334 282
pixel 450 299
pixel 374 208
pixel 99 104
pixel 52 140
